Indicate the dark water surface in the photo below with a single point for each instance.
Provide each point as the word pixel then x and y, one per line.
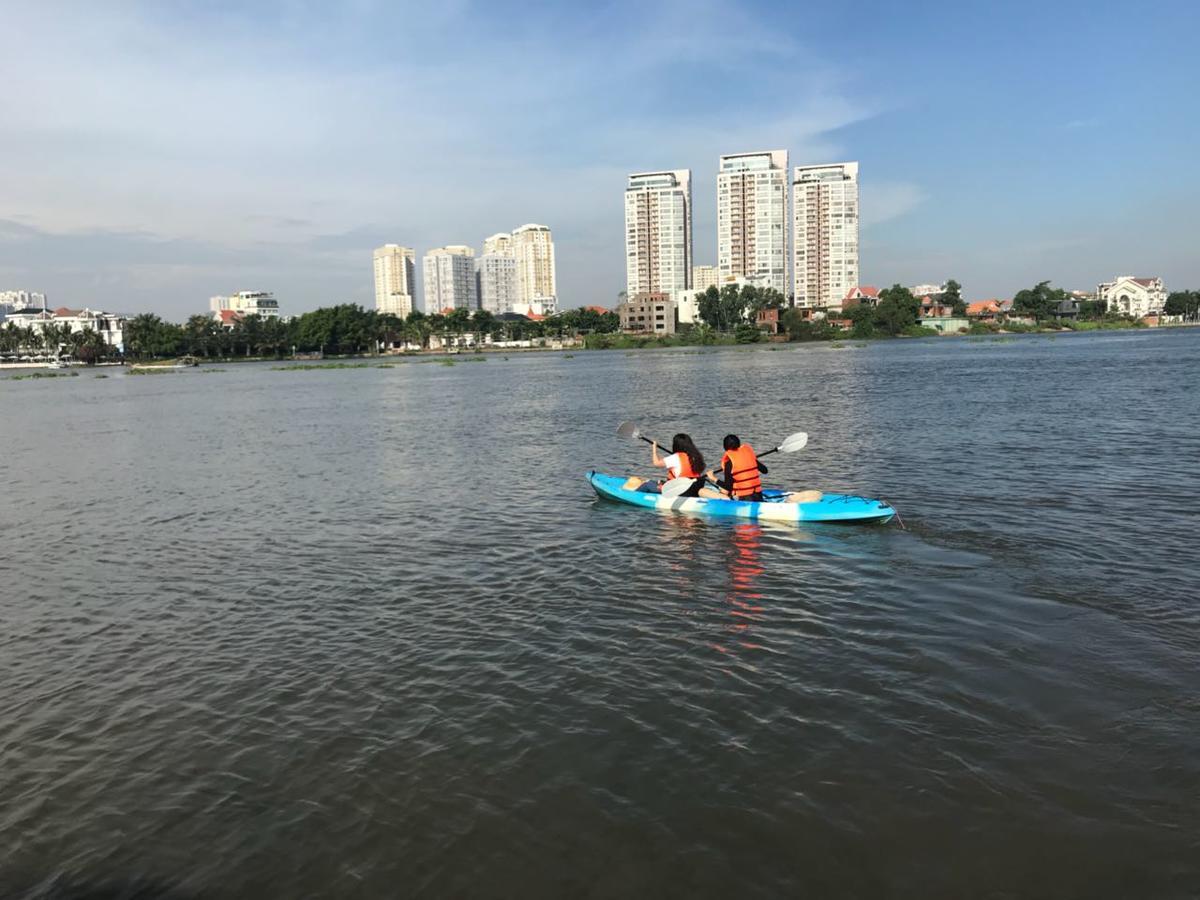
pixel 368 632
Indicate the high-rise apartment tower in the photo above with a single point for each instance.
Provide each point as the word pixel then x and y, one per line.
pixel 825 233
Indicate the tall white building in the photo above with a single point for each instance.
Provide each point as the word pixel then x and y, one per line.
pixel 247 303
pixel 499 244
pixel 704 277
pixel 496 282
pixel 395 280
pixel 752 222
pixel 533 247
pixel 449 274
pixel 825 235
pixel 658 232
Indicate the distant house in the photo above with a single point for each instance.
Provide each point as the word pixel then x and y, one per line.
pixel 227 318
pixel 1130 296
pixel 648 313
pixel 864 295
pixel 768 321
pixel 1067 309
pixel 935 309
pixel 989 310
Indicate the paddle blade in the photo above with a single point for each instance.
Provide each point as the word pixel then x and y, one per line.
pixel 676 487
pixel 627 430
pixel 794 442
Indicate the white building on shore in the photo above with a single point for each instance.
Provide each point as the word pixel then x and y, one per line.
pixel 247 303
pixel 752 221
pixel 1132 296
pixel 449 276
pixel 109 326
pixel 395 280
pixel 496 282
pixel 658 232
pixel 825 233
pixel 533 247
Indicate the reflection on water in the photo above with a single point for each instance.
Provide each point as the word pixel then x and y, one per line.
pixel 369 632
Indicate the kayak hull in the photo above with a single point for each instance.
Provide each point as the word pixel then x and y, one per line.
pixel 833 508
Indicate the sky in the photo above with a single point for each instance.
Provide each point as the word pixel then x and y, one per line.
pixel 155 154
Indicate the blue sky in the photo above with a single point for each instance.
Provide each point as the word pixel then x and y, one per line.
pixel 155 154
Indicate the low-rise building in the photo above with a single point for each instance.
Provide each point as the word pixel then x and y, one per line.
pixel 864 295
pixel 932 308
pixel 650 313
pixel 989 310
pixel 248 303
pixel 947 324
pixel 109 326
pixel 1132 296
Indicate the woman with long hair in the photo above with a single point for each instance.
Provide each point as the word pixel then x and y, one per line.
pixel 685 461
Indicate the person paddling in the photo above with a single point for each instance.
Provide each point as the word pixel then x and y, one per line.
pixel 739 472
pixel 685 461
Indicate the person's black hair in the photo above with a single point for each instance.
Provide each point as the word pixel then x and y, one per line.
pixel 732 442
pixel 682 443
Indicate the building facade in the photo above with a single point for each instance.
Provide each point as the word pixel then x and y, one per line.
pixel 109 326
pixel 22 299
pixel 248 303
pixel 449 275
pixel 533 247
pixel 496 282
pixel 752 222
pixel 704 277
pixel 658 232
pixel 652 313
pixel 499 244
pixel 824 234
pixel 1132 296
pixel 395 280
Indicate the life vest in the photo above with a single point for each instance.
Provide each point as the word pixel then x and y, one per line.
pixel 685 467
pixel 743 471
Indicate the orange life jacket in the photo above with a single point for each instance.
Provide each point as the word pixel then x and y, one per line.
pixel 685 467
pixel 743 471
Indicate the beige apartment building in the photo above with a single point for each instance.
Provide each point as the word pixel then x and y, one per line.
pixel 658 232
pixel 825 234
pixel 704 277
pixel 752 222
pixel 499 244
pixel 395 280
pixel 648 313
pixel 533 247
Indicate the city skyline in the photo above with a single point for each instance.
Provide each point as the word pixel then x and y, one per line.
pixel 283 171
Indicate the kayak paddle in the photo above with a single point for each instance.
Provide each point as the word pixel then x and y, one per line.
pixel 790 444
pixel 629 430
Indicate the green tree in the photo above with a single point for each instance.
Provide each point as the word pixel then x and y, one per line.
pixel 897 310
pixel 952 297
pixel 1040 301
pixel 1182 303
pixel 708 305
pixel 863 317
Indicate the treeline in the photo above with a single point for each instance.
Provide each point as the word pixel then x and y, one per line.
pixel 1183 303
pixel 342 329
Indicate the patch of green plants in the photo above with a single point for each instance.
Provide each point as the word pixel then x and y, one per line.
pixel 310 367
pixel 43 375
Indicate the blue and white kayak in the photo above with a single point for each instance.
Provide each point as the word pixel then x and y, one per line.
pixel 843 508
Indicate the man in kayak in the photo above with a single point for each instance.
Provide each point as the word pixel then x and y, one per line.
pixel 739 472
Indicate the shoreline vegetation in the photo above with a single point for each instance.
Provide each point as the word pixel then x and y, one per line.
pixel 731 315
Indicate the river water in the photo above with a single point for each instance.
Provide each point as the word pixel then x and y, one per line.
pixel 369 632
